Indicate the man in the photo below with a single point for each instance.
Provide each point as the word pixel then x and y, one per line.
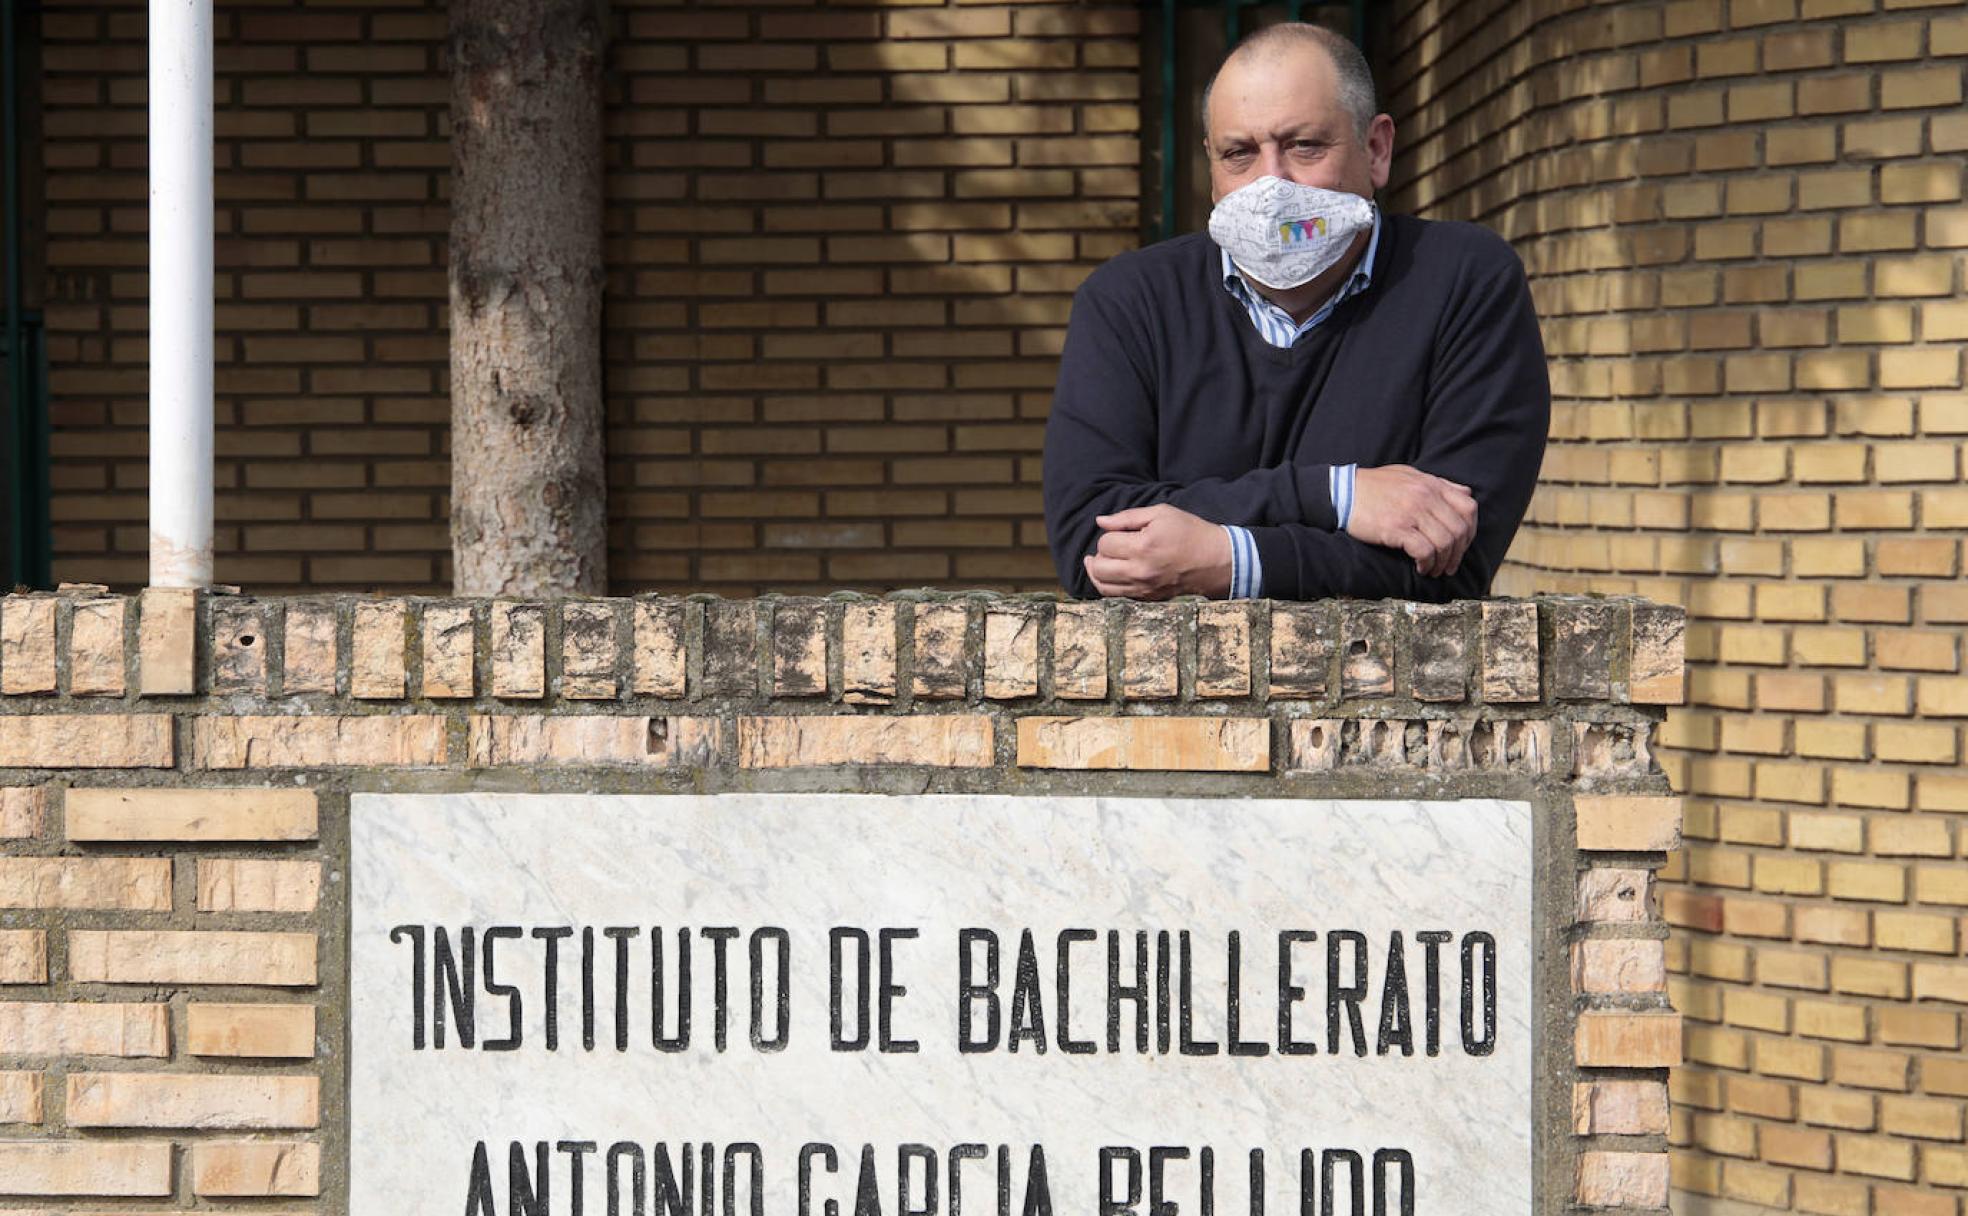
pixel 1225 425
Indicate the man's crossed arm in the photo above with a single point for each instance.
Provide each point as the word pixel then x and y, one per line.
pixel 1160 551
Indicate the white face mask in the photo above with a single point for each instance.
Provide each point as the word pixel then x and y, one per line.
pixel 1284 235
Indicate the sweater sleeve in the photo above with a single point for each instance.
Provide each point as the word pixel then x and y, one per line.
pixel 1487 413
pixel 1101 440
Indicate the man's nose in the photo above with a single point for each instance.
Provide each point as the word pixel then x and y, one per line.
pixel 1271 161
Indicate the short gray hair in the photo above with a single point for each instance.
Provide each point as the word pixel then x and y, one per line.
pixel 1354 78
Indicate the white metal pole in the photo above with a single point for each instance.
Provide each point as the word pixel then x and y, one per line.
pixel 181 293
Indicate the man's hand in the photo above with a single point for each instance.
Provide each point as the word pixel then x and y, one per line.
pixel 1424 516
pixel 1154 553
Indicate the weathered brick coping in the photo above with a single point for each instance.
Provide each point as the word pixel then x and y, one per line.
pixel 847 680
pixel 851 649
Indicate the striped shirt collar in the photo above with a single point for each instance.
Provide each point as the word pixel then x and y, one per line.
pixel 1273 323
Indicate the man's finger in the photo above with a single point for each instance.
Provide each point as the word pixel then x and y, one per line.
pixel 1112 570
pixel 1132 519
pixel 1120 545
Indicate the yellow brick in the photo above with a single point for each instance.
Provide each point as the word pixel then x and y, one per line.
pixel 1754 1010
pixel 1876 323
pixel 1924 932
pixel 1920 368
pixel 1870 977
pixel 1824 740
pixel 1830 463
pixel 1828 1020
pixel 1793 969
pixel 1838 1108
pixel 1920 1028
pixel 1868 787
pixel 1941 792
pixel 1874 232
pixel 1941 884
pixel 1874 43
pixel 1790 1058
pixel 1911 836
pixel 1915 744
pixel 1873 694
pixel 1915 88
pixel 1790 782
pixel 1826 832
pixel 1834 926
pixel 1940 982
pixel 1920 275
pixel 1875 881
pixel 1778 875
pixel 1920 1118
pixel 1921 182
pixel 1874 1157
pixel 1866 1069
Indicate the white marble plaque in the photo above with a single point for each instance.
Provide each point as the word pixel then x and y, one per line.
pixel 1397 1060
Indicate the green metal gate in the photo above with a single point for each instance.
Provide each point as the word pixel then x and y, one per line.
pixel 24 523
pixel 1182 42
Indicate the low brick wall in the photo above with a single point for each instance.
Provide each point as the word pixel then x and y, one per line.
pixel 175 772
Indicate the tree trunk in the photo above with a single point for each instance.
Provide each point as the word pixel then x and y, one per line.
pixel 528 493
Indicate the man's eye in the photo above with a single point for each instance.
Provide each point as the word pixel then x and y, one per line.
pixel 1305 147
pixel 1238 155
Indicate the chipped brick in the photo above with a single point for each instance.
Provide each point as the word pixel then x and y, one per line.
pixel 1079 652
pixel 1511 670
pixel 588 649
pixel 449 643
pixel 519 650
pixel 27 644
pixel 1210 745
pixel 1223 650
pixel 167 642
pixel 932 740
pixel 658 641
pixel 86 741
pixel 309 644
pixel 378 648
pixel 731 648
pixel 328 740
pixel 1366 651
pixel 940 670
pixel 799 648
pixel 1011 651
pixel 868 653
pixel 592 739
pixel 239 646
pixel 1302 641
pixel 95 648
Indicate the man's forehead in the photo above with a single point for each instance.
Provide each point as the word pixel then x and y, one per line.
pixel 1277 91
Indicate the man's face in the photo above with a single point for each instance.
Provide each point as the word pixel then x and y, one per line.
pixel 1277 114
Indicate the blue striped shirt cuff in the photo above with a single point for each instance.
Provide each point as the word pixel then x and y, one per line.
pixel 1246 568
pixel 1340 482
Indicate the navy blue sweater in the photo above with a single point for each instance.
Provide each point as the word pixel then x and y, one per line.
pixel 1167 393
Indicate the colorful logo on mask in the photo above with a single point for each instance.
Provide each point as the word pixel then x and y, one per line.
pixel 1297 232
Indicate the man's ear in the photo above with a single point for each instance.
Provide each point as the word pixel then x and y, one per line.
pixel 1380 149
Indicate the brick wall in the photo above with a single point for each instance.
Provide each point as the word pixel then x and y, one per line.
pixel 842 243
pixel 174 776
pixel 1743 222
